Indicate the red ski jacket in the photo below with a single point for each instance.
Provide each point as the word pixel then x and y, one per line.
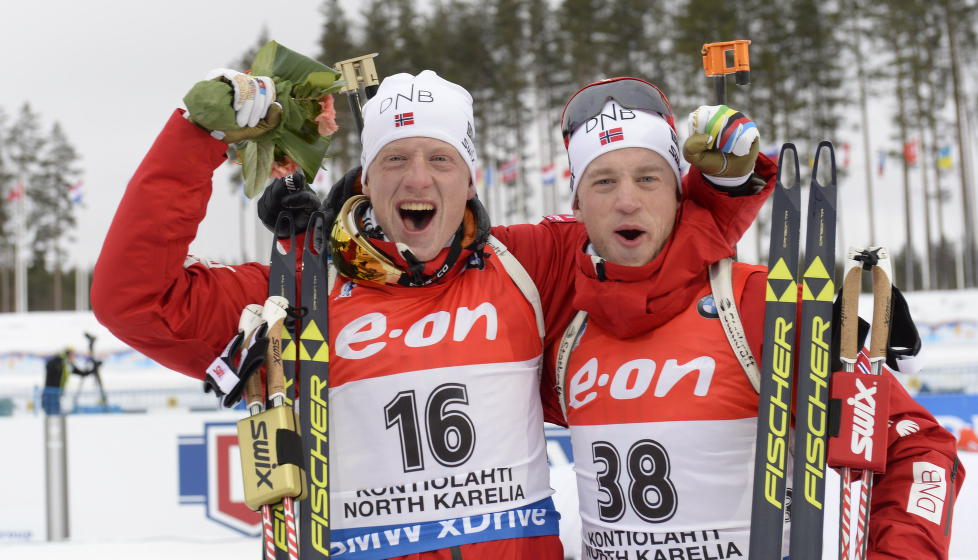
pixel 181 311
pixel 911 503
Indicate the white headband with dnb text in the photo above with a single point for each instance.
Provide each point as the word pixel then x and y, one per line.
pixel 617 127
pixel 425 105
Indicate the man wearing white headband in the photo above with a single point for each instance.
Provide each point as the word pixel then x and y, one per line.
pixel 434 331
pixel 662 416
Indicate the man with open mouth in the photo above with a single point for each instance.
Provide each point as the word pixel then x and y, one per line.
pixel 661 414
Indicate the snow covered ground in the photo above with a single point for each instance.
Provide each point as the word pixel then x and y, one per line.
pixel 162 522
pixel 964 544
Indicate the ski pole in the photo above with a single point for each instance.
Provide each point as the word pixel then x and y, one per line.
pixel 360 76
pixel 728 57
pixel 715 65
pixel 877 260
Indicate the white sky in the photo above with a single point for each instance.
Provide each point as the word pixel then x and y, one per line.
pixel 112 71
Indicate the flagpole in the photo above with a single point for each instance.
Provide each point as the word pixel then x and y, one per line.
pixel 20 263
pixel 81 287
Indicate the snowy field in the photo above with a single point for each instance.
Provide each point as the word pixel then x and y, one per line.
pixel 132 476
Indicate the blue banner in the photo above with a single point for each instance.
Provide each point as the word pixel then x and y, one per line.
pixel 374 543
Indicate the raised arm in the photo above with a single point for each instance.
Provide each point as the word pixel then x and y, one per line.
pixel 177 310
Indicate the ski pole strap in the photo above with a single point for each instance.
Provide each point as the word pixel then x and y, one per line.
pixel 721 283
pixel 859 408
pixel 567 342
pixel 882 318
pixel 274 314
pixel 521 278
pixel 247 350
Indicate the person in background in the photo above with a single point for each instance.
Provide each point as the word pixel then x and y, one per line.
pixel 57 370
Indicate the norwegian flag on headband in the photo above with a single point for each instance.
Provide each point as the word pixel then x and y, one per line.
pixel 612 135
pixel 403 119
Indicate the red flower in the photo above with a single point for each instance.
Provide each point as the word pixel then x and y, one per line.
pixel 326 121
pixel 283 168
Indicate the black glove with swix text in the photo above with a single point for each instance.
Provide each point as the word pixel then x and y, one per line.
pixel 288 194
pixel 293 195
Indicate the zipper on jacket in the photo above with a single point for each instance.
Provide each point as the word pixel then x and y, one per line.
pixel 950 507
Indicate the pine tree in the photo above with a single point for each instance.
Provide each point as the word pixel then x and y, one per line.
pixel 698 22
pixel 380 36
pixel 6 226
pixel 509 89
pixel 24 144
pixel 546 81
pixel 579 41
pixel 335 45
pixel 52 212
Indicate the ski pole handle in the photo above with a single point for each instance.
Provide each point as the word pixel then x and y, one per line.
pixel 715 65
pixel 849 319
pixel 360 76
pixel 882 295
pixel 274 314
pixel 254 396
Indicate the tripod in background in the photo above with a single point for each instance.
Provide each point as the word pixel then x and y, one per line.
pixel 94 368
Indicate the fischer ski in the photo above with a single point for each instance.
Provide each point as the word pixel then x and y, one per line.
pixel 814 363
pixel 774 406
pixel 282 282
pixel 314 520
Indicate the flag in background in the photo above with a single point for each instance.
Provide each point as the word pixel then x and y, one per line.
pixel 487 176
pixel 944 160
pixel 881 162
pixel 16 193
pixel 75 192
pixel 910 152
pixel 772 152
pixel 509 170
pixel 845 155
pixel 549 174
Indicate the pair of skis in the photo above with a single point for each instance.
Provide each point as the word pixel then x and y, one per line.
pixel 279 465
pixel 804 504
pixel 304 359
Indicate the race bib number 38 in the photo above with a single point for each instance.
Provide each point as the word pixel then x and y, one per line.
pixel 656 489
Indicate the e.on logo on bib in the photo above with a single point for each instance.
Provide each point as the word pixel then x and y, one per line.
pixel 368 334
pixel 637 378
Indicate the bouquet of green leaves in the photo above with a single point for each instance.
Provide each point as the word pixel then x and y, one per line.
pixel 304 88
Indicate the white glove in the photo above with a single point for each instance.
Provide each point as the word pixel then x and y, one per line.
pixel 730 131
pixel 253 95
